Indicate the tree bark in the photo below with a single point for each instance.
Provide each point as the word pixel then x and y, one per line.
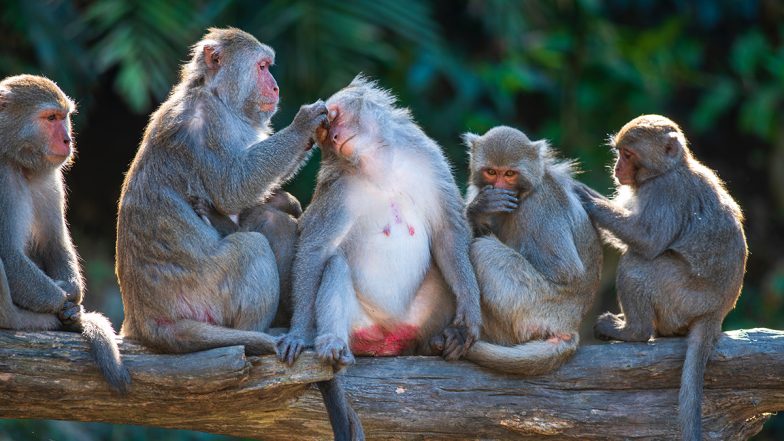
pixel 607 391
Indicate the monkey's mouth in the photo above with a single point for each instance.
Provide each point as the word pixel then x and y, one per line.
pixel 268 106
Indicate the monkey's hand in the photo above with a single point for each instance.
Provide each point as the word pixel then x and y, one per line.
pixel 71 313
pixel 493 200
pixel 333 350
pixel 589 197
pixel 201 206
pixel 312 120
pixel 73 292
pixel 460 335
pixel 289 347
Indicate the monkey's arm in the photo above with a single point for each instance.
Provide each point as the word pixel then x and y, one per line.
pixel 30 287
pixel 553 252
pixel 323 227
pixel 451 242
pixel 57 255
pixel 642 231
pixel 236 181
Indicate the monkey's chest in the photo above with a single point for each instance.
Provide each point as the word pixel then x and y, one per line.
pixel 390 255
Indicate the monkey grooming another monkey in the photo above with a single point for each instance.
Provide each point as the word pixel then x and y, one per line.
pixel 41 285
pixel 683 250
pixel 382 261
pixel 538 260
pixel 185 286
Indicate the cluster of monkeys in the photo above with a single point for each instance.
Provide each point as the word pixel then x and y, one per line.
pixel 388 258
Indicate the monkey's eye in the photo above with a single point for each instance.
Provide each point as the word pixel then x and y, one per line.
pixel 510 173
pixel 51 117
pixel 262 66
pixel 626 154
pixel 490 172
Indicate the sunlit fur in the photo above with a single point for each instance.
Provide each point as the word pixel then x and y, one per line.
pixel 684 252
pixel 40 276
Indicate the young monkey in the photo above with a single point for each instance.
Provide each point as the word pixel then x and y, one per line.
pixel 538 258
pixel 683 249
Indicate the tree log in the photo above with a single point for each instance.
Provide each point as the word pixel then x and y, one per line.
pixel 607 391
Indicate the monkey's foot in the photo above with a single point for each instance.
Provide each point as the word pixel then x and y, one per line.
pixel 333 350
pixel 607 326
pixel 289 347
pixel 457 341
pixel 70 314
pixel 614 327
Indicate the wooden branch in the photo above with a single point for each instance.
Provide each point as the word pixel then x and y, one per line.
pixel 607 391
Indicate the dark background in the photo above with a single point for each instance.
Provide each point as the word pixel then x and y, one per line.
pixel 571 71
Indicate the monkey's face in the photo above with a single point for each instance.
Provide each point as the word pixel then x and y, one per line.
pixel 347 129
pixel 267 86
pixel 626 165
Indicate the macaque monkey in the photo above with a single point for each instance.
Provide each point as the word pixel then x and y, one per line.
pixel 382 261
pixel 537 256
pixel 41 285
pixel 186 287
pixel 683 249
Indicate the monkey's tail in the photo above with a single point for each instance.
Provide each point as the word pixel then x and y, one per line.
pixel 701 340
pixel 529 358
pixel 346 425
pixel 99 333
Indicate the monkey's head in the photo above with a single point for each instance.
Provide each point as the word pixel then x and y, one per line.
pixel 646 147
pixel 504 157
pixel 35 123
pixel 360 115
pixel 233 65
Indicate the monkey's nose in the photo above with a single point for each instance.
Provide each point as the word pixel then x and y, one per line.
pixel 67 140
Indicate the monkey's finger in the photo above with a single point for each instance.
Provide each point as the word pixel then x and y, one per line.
pixel 346 358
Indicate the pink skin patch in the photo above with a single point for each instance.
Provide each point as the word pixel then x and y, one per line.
pixel 411 230
pixel 559 338
pixel 377 341
pixel 387 230
pixel 188 310
pixel 161 321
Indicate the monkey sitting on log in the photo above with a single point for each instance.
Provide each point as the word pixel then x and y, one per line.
pixel 537 256
pixel 41 285
pixel 382 262
pixel 683 249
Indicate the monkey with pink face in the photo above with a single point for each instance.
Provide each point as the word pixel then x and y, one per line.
pixel 382 263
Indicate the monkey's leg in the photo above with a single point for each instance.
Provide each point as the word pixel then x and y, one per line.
pixel 13 317
pixel 250 279
pixel 507 280
pixel 636 285
pixel 336 305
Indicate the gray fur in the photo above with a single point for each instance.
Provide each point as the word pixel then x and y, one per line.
pixel 684 251
pixel 539 262
pixel 320 289
pixel 186 288
pixel 41 286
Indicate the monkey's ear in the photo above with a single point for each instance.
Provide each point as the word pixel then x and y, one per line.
pixel 212 56
pixel 3 99
pixel 675 143
pixel 542 148
pixel 469 139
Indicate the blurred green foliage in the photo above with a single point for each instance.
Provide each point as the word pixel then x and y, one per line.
pixel 571 71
